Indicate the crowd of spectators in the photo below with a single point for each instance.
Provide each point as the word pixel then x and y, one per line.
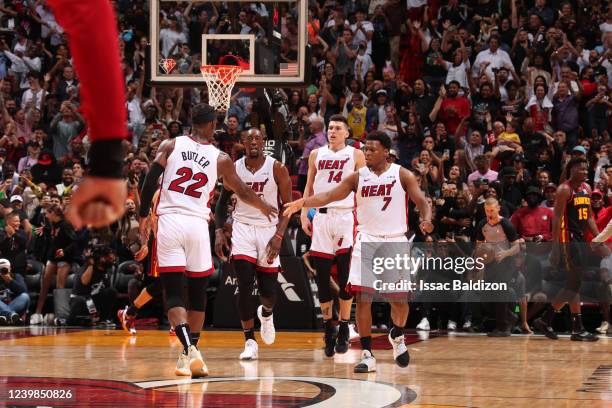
pixel 481 98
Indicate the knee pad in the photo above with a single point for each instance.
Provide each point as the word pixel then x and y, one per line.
pixel 173 285
pixel 323 267
pixel 196 288
pixel 267 282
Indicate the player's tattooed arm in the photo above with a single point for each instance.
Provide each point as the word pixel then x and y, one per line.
pixel 227 171
pixel 411 186
pixel 150 183
pixel 339 192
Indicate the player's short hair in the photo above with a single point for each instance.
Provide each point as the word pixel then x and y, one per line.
pixel 339 118
pixel 382 137
pixel 575 161
pixel 202 114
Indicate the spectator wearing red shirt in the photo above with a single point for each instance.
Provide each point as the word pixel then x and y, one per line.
pixel 450 107
pixel 533 223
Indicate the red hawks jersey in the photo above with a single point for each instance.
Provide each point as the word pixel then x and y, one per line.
pixel 189 179
pixel 333 167
pixel 382 206
pixel 263 183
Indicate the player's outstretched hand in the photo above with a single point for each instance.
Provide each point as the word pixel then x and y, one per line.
pixel 293 207
pixel 221 245
pixel 97 202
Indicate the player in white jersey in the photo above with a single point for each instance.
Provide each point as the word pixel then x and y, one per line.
pixel 190 167
pixel 332 226
pixel 256 240
pixel 382 192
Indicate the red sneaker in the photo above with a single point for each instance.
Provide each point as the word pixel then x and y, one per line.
pixel 127 322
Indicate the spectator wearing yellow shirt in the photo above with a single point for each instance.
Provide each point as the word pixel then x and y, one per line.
pixel 357 117
pixel 509 136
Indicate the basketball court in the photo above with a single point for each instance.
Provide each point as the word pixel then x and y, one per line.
pixel 109 368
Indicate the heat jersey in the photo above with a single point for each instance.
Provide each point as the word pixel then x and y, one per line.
pixel 382 207
pixel 333 167
pixel 577 213
pixel 189 179
pixel 263 183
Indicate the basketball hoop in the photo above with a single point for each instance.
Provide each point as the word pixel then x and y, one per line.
pixel 220 80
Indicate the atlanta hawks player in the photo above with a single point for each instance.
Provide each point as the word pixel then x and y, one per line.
pixel 190 167
pixel 332 226
pixel 256 240
pixel 382 190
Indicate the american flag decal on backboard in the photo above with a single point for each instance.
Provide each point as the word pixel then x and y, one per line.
pixel 288 68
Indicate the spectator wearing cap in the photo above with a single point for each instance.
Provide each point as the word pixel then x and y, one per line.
pixel 376 112
pixel 482 171
pixel 16 202
pixel 533 222
pixel 597 203
pixel 549 196
pixel 46 169
pixel 14 299
pixel 33 150
pixel 523 175
pixel 450 108
pixel 511 192
pixel 392 156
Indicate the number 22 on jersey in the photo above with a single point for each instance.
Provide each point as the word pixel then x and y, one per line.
pixel 186 174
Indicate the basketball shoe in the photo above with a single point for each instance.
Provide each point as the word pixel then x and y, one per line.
pixel 182 365
pixel 250 350
pixel 400 351
pixel 268 333
pixel 127 322
pixel 197 366
pixel 367 363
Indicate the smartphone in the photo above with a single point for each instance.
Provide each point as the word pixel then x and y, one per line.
pixel 447 152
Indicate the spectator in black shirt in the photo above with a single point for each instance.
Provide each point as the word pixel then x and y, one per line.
pixel 14 299
pixel 92 296
pixel 60 251
pixel 13 243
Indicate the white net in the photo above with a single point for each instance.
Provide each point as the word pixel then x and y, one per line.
pixel 220 80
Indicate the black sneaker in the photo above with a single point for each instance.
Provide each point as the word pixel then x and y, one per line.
pixel 16 320
pixel 545 329
pixel 584 336
pixel 330 343
pixel 499 333
pixel 3 320
pixel 342 341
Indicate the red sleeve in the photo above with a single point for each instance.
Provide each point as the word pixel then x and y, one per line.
pixel 549 219
pixel 92 34
pixel 465 111
pixel 516 221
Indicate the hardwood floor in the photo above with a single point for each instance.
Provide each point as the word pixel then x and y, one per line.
pixel 107 367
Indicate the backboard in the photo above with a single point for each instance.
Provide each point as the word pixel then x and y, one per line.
pixel 267 38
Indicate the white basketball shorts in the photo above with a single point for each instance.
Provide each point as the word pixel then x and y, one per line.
pixel 249 243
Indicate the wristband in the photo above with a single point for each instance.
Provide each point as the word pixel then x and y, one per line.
pixel 106 158
pixel 279 236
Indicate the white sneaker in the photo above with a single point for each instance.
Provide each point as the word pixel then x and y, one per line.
pixel 197 366
pixel 367 363
pixel 400 351
pixel 250 350
pixel 467 325
pixel 603 329
pixel 267 331
pixel 49 319
pixel 451 326
pixel 182 366
pixel 423 325
pixel 352 332
pixel 36 319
